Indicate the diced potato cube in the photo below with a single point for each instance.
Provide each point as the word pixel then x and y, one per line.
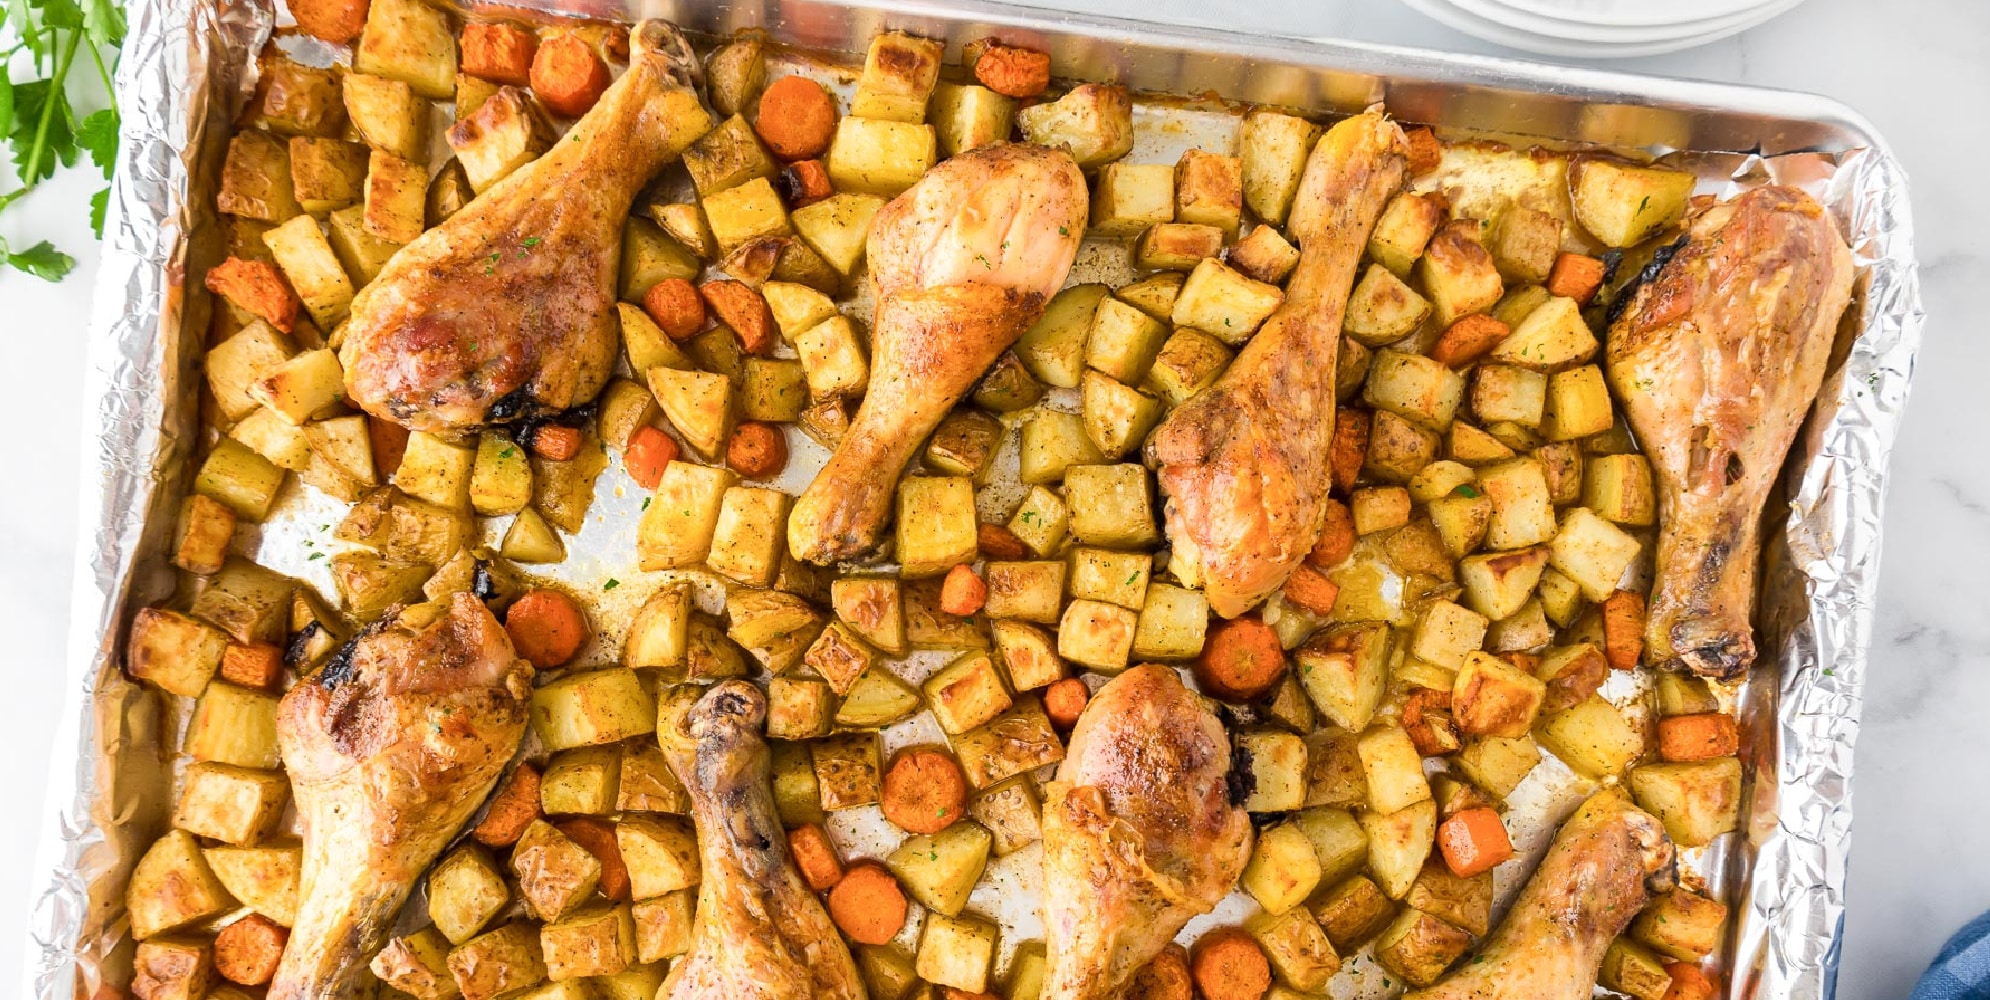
pixel 1011 813
pixel 1595 738
pixel 935 524
pixel 847 770
pixel 1446 633
pixel 956 952
pixel 409 41
pixel 1028 654
pixel 1397 448
pixel 1265 255
pixel 1497 584
pixel 1578 405
pixel 1524 245
pixel 313 270
pixel 1209 191
pixel 663 926
pixel 584 780
pixel 1053 348
pixel 1131 197
pixel 175 652
pixel 1117 417
pixel 1398 844
pixel 1276 761
pixel 1631 969
pixel 1382 309
pixel 1551 336
pixel 874 608
pixel 599 940
pixel 750 535
pixel 255 179
pixel 1414 387
pixel 235 805
pixel 1030 591
pixel 798 708
pixel 1593 552
pixel 505 133
pixel 503 961
pixel 1682 925
pixel 1522 514
pixel 1620 488
pixel 746 212
pixel 1111 505
pixel 1504 393
pixel 465 891
pixel 1491 697
pixel 1343 672
pixel 1379 508
pixel 1097 635
pixel 871 156
pixel 233 725
pixel 1353 911
pixel 661 853
pixel 1173 622
pixel 650 255
pixel 1299 952
pixel 1093 122
pixel 1458 274
pixel 1041 521
pixel 898 77
pixel 836 227
pixel 1274 147
pixel 1393 768
pixel 1621 204
pixel 1696 801
pixel 1008 386
pixel 1123 341
pixel 1223 303
pixel 1177 246
pixel 1419 947
pixel 387 114
pixel 676 529
pixel 1404 230
pixel 967 693
pixel 436 471
pixel 172 886
pixel 174 968
pixel 1188 362
pixel 1283 869
pixel 592 707
pixel 417 964
pixel 940 869
pixel 1498 764
pixel 967 116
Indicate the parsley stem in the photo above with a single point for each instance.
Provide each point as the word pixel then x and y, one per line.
pixel 31 170
pixel 104 74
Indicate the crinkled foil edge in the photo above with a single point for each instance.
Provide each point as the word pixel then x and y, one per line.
pixel 181 76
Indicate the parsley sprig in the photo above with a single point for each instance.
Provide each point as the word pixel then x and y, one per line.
pixel 38 123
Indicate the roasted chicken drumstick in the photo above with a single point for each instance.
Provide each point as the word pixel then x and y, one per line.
pixel 759 933
pixel 390 749
pixel 1244 463
pixel 509 307
pixel 962 263
pixel 1717 360
pixel 1139 832
pixel 1600 871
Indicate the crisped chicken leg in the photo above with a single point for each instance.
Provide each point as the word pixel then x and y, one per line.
pixel 1717 360
pixel 1597 875
pixel 962 263
pixel 1140 832
pixel 1244 463
pixel 508 308
pixel 390 749
pixel 759 933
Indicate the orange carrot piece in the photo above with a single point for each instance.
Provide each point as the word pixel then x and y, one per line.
pixel 501 53
pixel 257 288
pixel 255 664
pixel 1336 537
pixel 796 118
pixel 815 856
pixel 1227 964
pixel 1349 448
pixel 597 836
pixel 512 809
pixel 757 450
pixel 739 305
pixel 1473 841
pixel 546 627
pixel 954 993
pixel 998 542
pixel 1575 276
pixel 1164 977
pixel 1310 589
pixel 1241 661
pixel 248 950
pixel 568 76
pixel 1689 983
pixel 1425 151
pixel 1624 629
pixel 924 791
pixel 335 21
pixel 962 592
pixel 389 441
pixel 805 182
pixel 556 442
pixel 1011 70
pixel 1468 340
pixel 677 308
pixel 1705 736
pixel 648 452
pixel 868 904
pixel 1064 700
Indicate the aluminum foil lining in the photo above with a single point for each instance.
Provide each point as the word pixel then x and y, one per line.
pixel 186 70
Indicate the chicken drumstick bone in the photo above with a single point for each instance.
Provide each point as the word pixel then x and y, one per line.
pixel 390 749
pixel 962 263
pixel 508 308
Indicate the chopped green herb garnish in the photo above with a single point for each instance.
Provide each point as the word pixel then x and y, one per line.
pixel 611 584
pixel 317 555
pixel 1467 491
pixel 646 503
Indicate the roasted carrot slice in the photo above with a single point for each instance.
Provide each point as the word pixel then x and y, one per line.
pixel 677 308
pixel 924 791
pixel 568 76
pixel 1227 964
pixel 868 904
pixel 1241 661
pixel 1698 737
pixel 815 856
pixel 248 950
pixel 546 627
pixel 512 809
pixel 648 452
pixel 962 592
pixel 1473 841
pixel 757 450
pixel 796 119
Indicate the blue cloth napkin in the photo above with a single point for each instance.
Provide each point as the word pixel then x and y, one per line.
pixel 1961 970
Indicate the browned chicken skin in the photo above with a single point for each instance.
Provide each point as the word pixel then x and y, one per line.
pixel 759 933
pixel 390 750
pixel 1245 463
pixel 509 306
pixel 962 263
pixel 1717 360
pixel 1602 868
pixel 1139 832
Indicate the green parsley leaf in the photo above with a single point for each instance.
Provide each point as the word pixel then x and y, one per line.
pixel 1466 490
pixel 99 204
pixel 611 584
pixel 97 135
pixel 42 260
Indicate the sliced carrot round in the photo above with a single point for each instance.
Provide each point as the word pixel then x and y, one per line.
pixel 546 627
pixel 867 904
pixel 924 791
pixel 796 119
pixel 1241 661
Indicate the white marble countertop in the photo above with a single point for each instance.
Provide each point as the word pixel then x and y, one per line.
pixel 1914 67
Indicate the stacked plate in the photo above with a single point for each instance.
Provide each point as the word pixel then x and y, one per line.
pixel 1601 29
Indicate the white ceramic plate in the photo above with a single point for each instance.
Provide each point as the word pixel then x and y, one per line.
pixel 1448 13
pixel 1511 14
pixel 1636 12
